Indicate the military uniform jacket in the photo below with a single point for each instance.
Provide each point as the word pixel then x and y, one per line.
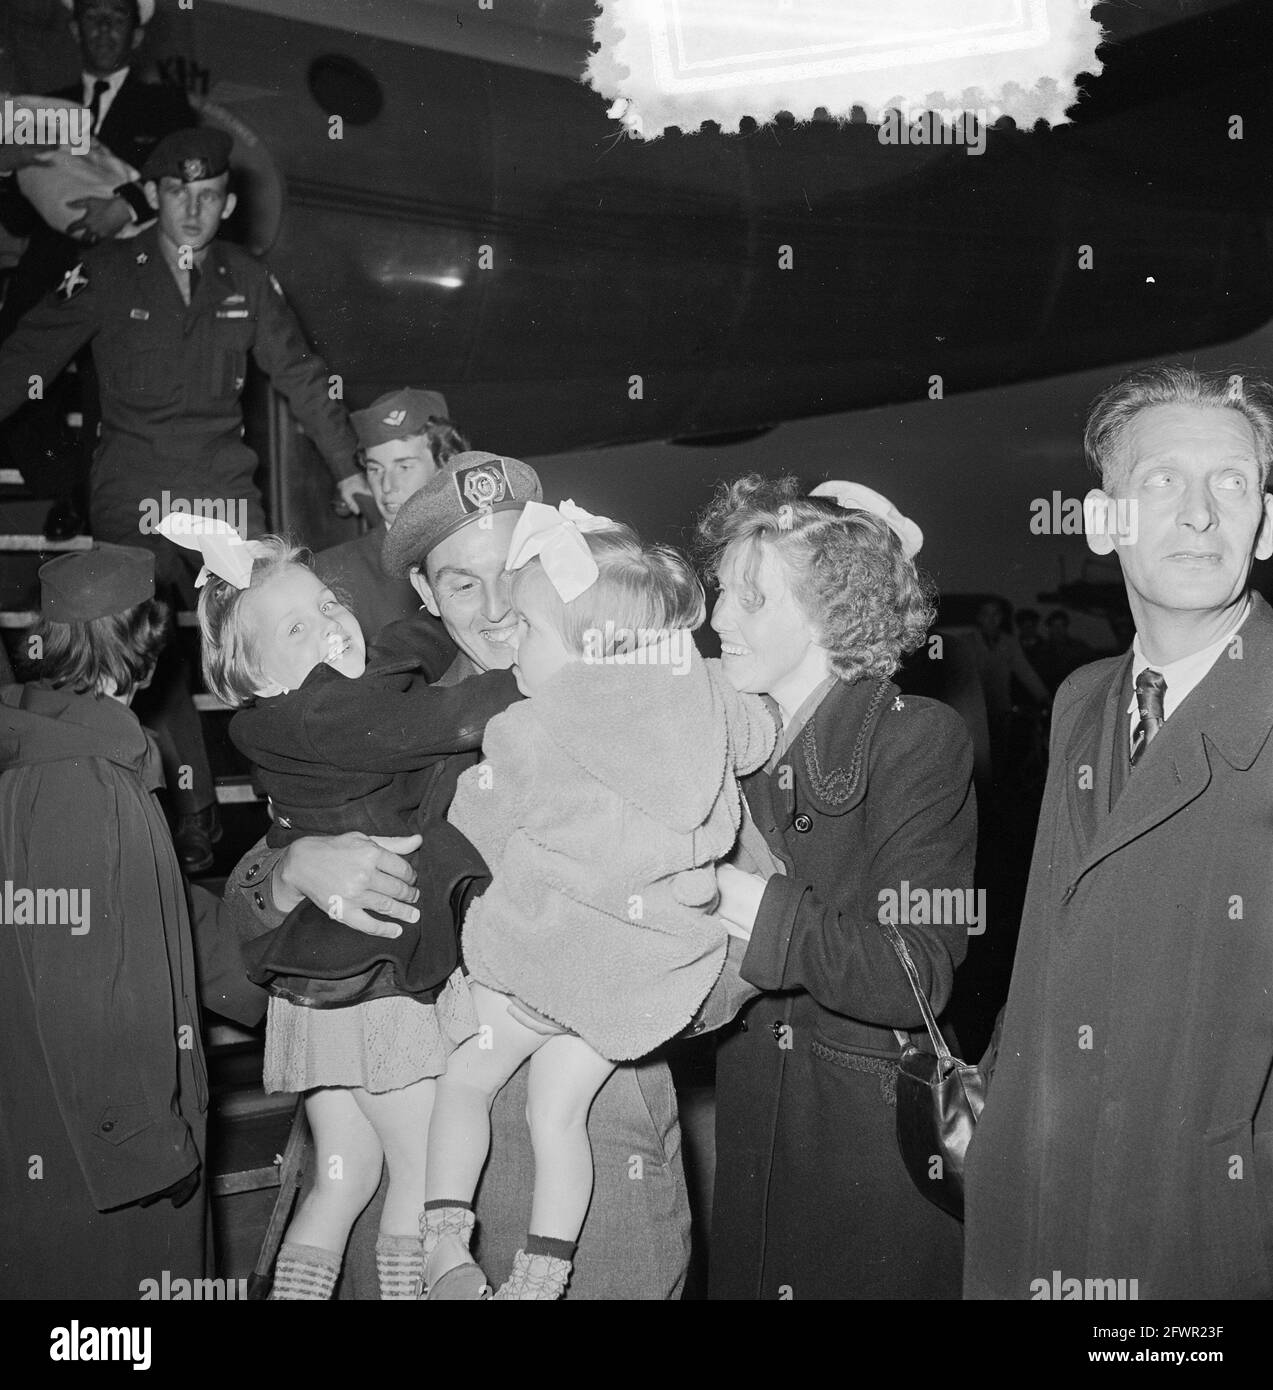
pixel 1128 1129
pixel 171 375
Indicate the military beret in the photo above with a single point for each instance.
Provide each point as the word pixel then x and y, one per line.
pixel 145 9
pixel 465 487
pixel 397 415
pixel 202 152
pixel 88 584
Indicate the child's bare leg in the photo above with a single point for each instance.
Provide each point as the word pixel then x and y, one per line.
pixel 401 1121
pixel 565 1076
pixel 460 1134
pixel 347 1166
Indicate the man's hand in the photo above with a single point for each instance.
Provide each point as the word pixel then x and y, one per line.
pixel 15 157
pixel 103 217
pixel 349 488
pixel 348 876
pixel 740 895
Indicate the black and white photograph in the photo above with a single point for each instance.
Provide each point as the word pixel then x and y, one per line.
pixel 591 594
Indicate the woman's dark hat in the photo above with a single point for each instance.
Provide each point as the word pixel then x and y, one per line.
pixel 89 584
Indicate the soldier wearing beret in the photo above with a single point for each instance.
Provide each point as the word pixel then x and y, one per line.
pixel 104 1090
pixel 403 436
pixel 450 541
pixel 171 317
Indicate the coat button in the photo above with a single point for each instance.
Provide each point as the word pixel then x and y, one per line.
pixel 107 1126
pixel 778 1028
pixel 252 872
pixel 803 823
pixel 259 900
pixel 742 1025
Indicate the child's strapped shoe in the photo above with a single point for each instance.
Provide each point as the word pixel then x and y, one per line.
pixel 450 1273
pixel 536 1277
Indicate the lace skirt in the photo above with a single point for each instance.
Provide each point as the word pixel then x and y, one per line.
pixel 381 1045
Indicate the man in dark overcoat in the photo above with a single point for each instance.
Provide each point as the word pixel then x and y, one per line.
pixel 1126 1149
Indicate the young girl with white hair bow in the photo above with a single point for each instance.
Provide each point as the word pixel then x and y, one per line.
pixel 603 804
pixel 360 1024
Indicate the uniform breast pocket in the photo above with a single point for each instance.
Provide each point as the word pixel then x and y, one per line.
pixel 139 364
pixel 144 375
pixel 233 340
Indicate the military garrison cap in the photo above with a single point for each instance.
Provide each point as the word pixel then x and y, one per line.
pixel 88 584
pixel 145 10
pixel 203 152
pixel 397 415
pixel 465 487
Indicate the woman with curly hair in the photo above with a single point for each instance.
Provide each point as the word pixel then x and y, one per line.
pixel 866 802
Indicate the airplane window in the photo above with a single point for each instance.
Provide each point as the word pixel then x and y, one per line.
pixel 344 88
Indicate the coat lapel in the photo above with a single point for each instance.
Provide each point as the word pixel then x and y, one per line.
pixel 1230 711
pixel 1090 755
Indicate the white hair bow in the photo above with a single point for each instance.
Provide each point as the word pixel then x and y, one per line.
pixel 856 497
pixel 555 536
pixel 225 553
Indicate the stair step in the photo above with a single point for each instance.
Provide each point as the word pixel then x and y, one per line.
pixel 10 477
pixel 236 789
pixel 36 542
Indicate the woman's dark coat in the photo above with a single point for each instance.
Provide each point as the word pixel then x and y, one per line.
pixel 103 1090
pixel 812 1199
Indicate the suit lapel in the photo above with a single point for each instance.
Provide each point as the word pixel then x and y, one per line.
pixel 118 116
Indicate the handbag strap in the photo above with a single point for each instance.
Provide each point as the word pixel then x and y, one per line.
pixel 898 943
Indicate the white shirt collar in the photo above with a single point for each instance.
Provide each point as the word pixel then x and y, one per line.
pixel 1183 675
pixel 113 83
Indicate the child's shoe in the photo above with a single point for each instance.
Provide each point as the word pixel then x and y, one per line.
pixel 536 1277
pixel 450 1273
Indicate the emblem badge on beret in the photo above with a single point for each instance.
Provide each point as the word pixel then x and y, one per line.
pixel 394 418
pixel 192 170
pixel 73 282
pixel 483 485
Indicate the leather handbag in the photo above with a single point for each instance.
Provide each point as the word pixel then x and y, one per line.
pixel 939 1099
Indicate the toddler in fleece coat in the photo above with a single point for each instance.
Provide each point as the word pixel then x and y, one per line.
pixel 603 804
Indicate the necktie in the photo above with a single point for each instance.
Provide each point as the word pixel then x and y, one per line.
pixel 1150 689
pixel 193 273
pixel 100 88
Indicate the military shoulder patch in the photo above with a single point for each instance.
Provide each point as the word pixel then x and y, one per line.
pixel 75 280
